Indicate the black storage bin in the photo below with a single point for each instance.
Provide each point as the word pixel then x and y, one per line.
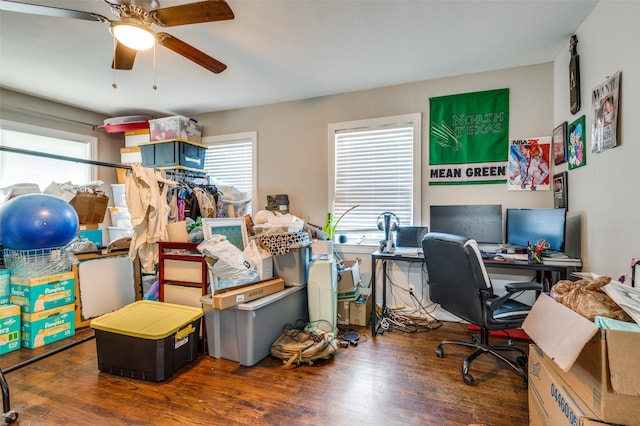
pixel 173 154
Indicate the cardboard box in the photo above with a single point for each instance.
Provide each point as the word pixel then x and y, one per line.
pixel 9 328
pixel 322 249
pixel 42 293
pixel 360 312
pixel 598 365
pixel 132 155
pixel 226 299
pixel 175 127
pixel 133 138
pixel 90 207
pixel 94 235
pixel 44 327
pixel 348 279
pixel 551 401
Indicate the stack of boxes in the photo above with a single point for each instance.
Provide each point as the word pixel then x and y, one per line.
pixel 47 307
pixel 120 216
pixel 9 317
pixel 354 306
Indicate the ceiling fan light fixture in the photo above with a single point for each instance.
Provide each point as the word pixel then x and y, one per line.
pixel 133 35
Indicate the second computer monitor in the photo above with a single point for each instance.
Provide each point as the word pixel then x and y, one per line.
pixel 482 222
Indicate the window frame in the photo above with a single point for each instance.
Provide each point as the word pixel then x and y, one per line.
pixel 416 122
pixel 29 129
pixel 253 137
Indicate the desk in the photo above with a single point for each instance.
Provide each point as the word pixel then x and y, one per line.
pixel 542 271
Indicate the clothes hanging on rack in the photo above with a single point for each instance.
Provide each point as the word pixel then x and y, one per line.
pixel 146 191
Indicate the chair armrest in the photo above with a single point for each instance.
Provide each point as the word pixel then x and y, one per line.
pixel 522 286
pixel 511 288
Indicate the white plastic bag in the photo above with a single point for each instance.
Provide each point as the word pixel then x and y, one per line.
pixel 231 265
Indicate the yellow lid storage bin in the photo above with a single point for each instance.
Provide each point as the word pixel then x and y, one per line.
pixel 147 340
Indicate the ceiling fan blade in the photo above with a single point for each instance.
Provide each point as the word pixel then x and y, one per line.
pixel 58 12
pixel 190 52
pixel 123 57
pixel 194 13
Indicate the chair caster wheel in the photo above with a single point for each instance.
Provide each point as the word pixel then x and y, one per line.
pixel 468 379
pixel 439 352
pixel 522 360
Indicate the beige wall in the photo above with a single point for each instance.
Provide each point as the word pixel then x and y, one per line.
pixel 293 146
pixel 606 190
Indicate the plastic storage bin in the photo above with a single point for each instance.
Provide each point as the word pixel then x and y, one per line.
pixel 293 267
pixel 175 127
pixel 147 340
pixel 173 154
pixel 245 332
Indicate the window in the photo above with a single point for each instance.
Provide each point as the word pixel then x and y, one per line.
pixel 20 168
pixel 376 165
pixel 231 160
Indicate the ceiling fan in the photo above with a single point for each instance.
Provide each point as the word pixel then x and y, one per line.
pixel 133 26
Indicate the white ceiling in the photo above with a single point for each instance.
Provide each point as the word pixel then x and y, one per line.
pixel 280 50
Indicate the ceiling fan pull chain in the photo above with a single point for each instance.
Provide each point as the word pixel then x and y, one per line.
pixel 155 87
pixel 114 85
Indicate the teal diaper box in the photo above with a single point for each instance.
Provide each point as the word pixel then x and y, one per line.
pixel 42 293
pixel 41 328
pixel 9 328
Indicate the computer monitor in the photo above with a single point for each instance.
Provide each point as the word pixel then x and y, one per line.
pixel 481 222
pixel 528 226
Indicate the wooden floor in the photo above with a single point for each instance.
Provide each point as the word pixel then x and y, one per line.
pixel 392 379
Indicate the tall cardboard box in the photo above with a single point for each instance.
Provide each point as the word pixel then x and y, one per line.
pixel 600 366
pixel 552 402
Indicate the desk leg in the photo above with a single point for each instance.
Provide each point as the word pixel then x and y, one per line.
pixel 375 320
pixel 374 316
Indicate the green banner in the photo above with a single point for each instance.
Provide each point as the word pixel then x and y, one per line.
pixel 469 138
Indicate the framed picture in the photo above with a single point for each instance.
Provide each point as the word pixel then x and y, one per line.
pixel 232 228
pixel 576 144
pixel 560 195
pixel 560 144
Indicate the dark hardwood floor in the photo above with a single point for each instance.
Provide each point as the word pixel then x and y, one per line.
pixel 392 379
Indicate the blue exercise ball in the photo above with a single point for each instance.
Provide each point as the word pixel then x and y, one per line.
pixel 37 221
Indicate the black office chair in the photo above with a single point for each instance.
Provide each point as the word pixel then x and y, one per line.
pixel 459 282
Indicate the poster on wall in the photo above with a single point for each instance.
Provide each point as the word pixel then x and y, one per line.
pixel 604 110
pixel 529 164
pixel 468 138
pixel 576 147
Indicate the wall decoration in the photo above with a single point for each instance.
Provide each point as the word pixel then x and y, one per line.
pixel 529 164
pixel 468 138
pixel 560 192
pixel 576 145
pixel 232 228
pixel 604 110
pixel 574 76
pixel 560 144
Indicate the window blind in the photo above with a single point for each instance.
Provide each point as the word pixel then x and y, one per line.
pixel 374 169
pixel 231 163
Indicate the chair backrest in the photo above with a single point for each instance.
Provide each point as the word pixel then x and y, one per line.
pixel 456 275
